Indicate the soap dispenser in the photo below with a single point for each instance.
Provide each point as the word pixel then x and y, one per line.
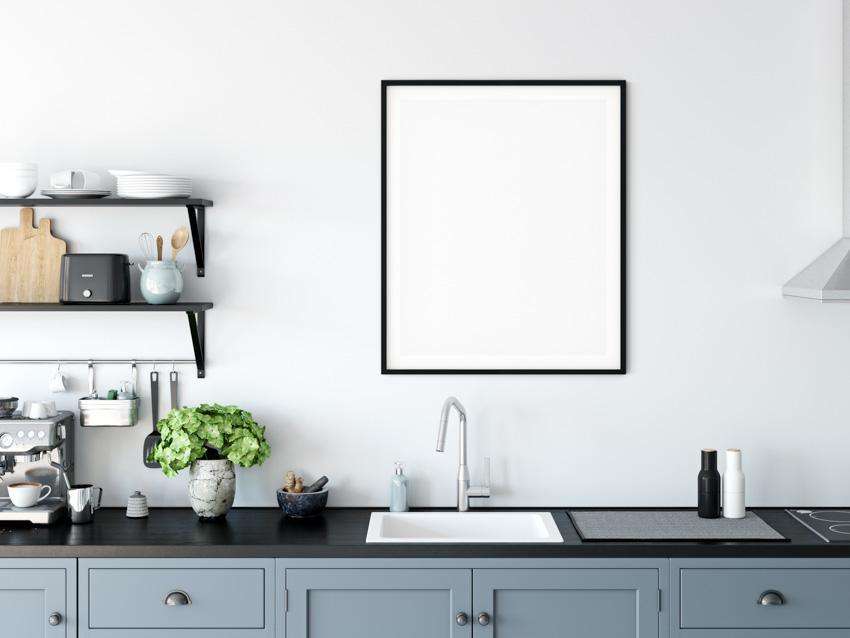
pixel 398 490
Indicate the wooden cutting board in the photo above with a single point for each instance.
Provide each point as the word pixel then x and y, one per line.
pixel 30 262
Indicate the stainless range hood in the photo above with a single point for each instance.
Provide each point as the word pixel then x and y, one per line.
pixel 827 278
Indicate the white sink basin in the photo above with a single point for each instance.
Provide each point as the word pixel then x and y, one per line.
pixel 463 527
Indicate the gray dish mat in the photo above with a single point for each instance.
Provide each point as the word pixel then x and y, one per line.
pixel 669 525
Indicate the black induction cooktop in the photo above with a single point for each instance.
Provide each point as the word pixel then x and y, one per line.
pixel 832 525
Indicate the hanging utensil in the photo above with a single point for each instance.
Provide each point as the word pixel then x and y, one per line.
pixel 174 401
pixel 159 247
pixel 146 244
pixel 154 437
pixel 178 240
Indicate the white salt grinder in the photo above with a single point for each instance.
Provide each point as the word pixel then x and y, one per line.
pixel 733 486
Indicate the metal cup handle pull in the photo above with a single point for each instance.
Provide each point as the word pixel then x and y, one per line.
pixel 177 597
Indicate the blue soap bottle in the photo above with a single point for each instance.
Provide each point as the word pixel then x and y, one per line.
pixel 398 490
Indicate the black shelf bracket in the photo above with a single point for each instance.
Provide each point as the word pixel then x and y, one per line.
pixel 197 326
pixel 197 216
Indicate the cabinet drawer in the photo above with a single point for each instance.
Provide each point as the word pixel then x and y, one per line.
pixel 728 598
pixel 133 598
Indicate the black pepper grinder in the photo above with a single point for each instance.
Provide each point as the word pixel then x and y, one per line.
pixel 708 504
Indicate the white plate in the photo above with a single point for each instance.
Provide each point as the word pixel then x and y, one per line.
pixel 117 173
pixel 65 195
pixel 132 178
pixel 75 190
pixel 156 196
pixel 142 191
pixel 163 187
pixel 121 182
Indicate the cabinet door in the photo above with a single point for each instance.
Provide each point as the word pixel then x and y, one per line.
pixel 545 603
pixel 28 597
pixel 378 603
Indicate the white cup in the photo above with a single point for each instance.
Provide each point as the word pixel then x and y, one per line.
pixel 51 408
pixel 59 383
pixel 27 494
pixel 85 180
pixel 38 410
pixel 62 179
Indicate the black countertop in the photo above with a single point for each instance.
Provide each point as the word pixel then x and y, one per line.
pixel 341 533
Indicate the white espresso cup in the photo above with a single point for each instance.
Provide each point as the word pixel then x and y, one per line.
pixel 27 494
pixel 38 410
pixel 59 383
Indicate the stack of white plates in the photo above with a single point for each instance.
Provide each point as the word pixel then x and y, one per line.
pixel 136 185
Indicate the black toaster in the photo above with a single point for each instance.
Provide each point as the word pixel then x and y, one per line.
pixel 95 278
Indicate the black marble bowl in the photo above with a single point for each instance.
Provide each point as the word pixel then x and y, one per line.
pixel 302 505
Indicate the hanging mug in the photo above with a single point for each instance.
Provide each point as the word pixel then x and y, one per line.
pixel 161 282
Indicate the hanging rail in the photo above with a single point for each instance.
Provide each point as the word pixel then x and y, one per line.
pixel 102 361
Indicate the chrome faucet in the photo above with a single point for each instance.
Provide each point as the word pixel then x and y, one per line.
pixel 464 492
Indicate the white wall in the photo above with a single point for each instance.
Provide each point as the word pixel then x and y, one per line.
pixel 273 107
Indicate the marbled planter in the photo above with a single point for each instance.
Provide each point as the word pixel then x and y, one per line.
pixel 212 487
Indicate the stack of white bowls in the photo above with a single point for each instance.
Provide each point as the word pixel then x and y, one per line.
pixel 18 179
pixel 137 185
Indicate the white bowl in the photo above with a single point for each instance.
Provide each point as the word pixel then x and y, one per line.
pixel 14 173
pixel 17 186
pixel 19 166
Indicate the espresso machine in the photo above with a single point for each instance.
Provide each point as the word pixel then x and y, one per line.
pixel 36 451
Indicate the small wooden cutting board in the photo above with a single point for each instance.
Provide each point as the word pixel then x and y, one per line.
pixel 30 262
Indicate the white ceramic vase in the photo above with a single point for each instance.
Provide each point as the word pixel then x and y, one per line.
pixel 212 487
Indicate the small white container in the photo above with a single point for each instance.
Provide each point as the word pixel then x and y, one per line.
pixel 137 505
pixel 733 486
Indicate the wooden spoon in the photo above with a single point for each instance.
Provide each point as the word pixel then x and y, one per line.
pixel 159 247
pixel 178 240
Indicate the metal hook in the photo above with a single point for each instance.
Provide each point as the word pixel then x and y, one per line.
pixel 58 366
pixel 173 364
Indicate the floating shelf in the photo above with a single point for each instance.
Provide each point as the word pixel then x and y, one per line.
pixel 195 207
pixel 194 313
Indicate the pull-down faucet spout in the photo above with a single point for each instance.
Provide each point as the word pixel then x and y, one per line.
pixel 463 489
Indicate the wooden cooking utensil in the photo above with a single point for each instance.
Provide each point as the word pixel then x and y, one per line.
pixel 159 247
pixel 178 240
pixel 30 262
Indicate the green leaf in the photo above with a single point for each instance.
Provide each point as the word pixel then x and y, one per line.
pixel 209 431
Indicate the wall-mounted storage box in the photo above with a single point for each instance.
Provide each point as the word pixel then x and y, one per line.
pixel 120 413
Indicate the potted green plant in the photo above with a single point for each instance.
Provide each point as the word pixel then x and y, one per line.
pixel 209 439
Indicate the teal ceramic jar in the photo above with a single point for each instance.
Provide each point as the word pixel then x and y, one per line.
pixel 161 282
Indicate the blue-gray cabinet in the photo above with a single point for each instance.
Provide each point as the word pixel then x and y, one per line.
pixel 756 598
pixel 494 598
pixel 373 603
pixel 592 603
pixel 176 598
pixel 38 597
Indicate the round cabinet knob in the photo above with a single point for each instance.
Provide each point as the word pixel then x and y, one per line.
pixel 771 597
pixel 6 440
pixel 462 619
pixel 483 619
pixel 177 597
pixel 55 618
